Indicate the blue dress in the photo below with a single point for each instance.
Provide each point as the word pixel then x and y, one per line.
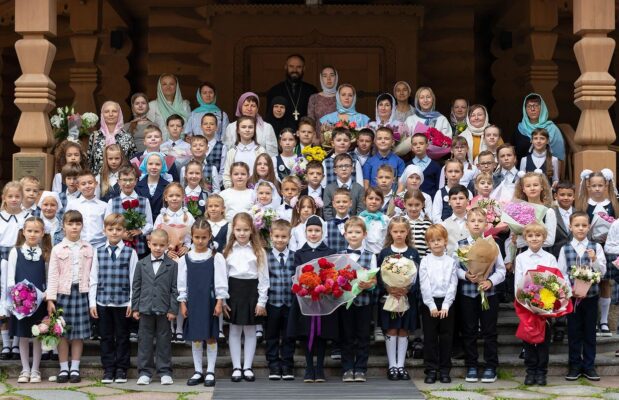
pixel 34 272
pixel 201 324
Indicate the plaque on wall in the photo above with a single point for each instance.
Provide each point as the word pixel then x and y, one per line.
pixel 29 164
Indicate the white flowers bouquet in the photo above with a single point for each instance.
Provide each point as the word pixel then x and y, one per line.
pixel 397 272
pixel 70 125
pixel 583 276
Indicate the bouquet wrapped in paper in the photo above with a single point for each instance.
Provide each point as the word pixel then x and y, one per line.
pixel 50 330
pixel 479 258
pixel 583 277
pixel 543 293
pixel 324 284
pixel 363 275
pixel 397 272
pixel 600 225
pixel 24 299
pixel 519 214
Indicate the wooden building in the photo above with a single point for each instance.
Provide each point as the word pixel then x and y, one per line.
pixel 494 52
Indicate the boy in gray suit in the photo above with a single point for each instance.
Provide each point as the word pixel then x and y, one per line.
pixel 155 304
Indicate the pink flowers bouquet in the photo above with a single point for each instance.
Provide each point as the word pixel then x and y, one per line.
pixel 24 299
pixel 439 145
pixel 490 206
pixel 519 214
pixel 263 218
pixel 600 226
pixel 50 330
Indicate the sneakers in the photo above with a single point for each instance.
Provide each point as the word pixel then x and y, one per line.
pixel 35 377
pixel 529 380
pixel 275 374
pixel 166 380
pixel 319 376
pixel 309 375
pixel 133 337
pixel 144 380
pixel 287 374
pixel 348 376
pixel 489 375
pixel 471 375
pixel 121 376
pixel 108 377
pixel 573 374
pixel 604 331
pixel 378 335
pixel 178 338
pixel 591 374
pixel 360 377
pixel 336 354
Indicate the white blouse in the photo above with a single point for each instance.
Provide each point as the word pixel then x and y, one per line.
pixel 437 278
pixel 265 136
pixel 377 230
pixel 243 264
pixel 612 240
pixel 237 201
pixel 538 160
pixel 221 278
pixel 10 224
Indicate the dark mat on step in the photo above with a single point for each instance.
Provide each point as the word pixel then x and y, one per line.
pixel 263 389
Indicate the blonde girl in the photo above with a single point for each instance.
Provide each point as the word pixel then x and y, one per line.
pixel 174 216
pixel 460 152
pixel 303 209
pixel 238 198
pixel 245 150
pixel 264 171
pixel 113 159
pixel 414 204
pixel 202 288
pixel 67 152
pixel 28 261
pixel 248 285
pixel 398 242
pixel 540 157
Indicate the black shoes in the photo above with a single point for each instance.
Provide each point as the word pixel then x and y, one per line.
pixel 529 380
pixel 275 374
pixel 430 378
pixel 392 374
pixel 540 379
pixel 236 378
pixel 445 378
pixel 195 381
pixel 591 374
pixel 573 374
pixel 108 377
pixel 209 379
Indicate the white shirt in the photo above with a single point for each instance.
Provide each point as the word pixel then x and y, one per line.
pixel 94 276
pixel 216 176
pixel 528 260
pixel 217 226
pixel 356 257
pixel 538 160
pixel 243 264
pixel 341 184
pixel 377 230
pixel 237 201
pixel 580 247
pixel 427 208
pixel 496 277
pixel 509 175
pixel 283 212
pixel 246 153
pixel 362 158
pixel 240 153
pixel 437 278
pixel 57 185
pixel 437 204
pixel 265 136
pixel 612 240
pixel 148 226
pixel 565 216
pixel 457 230
pixel 93 212
pixel 315 193
pixel 10 224
pixel 297 237
pixel 157 264
pixel 176 218
pixel 221 277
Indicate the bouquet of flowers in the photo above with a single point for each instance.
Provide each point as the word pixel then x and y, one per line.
pixel 263 218
pixel 193 204
pixel 133 219
pixel 600 226
pixel 50 330
pixel 398 201
pixel 314 153
pixel 400 132
pixel 24 299
pixel 181 156
pixel 519 214
pixel 490 206
pixel 363 275
pixel 583 276
pixel 439 145
pixel 460 127
pixel 70 125
pixel 299 167
pixel 478 258
pixel 397 272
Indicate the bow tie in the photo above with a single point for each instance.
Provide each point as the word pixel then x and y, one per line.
pixel 372 216
pixel 339 221
pixel 287 207
pixel 157 260
pixel 32 251
pixel 351 251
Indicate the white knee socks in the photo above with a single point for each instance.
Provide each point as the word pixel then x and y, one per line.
pixel 249 346
pixel 196 353
pixel 249 331
pixel 402 346
pixel 36 354
pixel 211 356
pixel 234 341
pixel 6 340
pixel 604 308
pixel 391 345
pixel 24 353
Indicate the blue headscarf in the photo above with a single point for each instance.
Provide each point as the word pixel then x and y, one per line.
pixel 144 165
pixel 526 127
pixel 338 104
pixel 204 106
pixel 429 117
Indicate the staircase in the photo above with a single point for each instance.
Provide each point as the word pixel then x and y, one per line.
pixel 509 363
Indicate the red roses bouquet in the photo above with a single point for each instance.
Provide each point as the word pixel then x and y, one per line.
pixel 439 145
pixel 133 219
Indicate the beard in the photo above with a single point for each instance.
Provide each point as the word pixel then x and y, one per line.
pixel 294 76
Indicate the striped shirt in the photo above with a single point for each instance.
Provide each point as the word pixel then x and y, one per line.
pixel 418 232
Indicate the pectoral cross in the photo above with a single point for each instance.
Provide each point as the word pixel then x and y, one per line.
pixel 296 114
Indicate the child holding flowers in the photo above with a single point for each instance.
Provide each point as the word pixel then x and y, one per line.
pixel 195 193
pixel 397 326
pixel 27 261
pixel 581 323
pixel 535 355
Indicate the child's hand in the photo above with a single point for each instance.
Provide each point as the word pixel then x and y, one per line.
pixel 591 254
pixel 485 285
pixel 93 312
pixel 471 277
pixel 226 311
pixel 183 309
pixel 443 314
pixel 218 309
pixel 514 239
pixel 434 313
pixel 183 250
pixel 136 315
pixel 51 307
pixel 128 312
pixel 170 316
pixel 136 232
pixel 127 236
pixel 261 311
pixel 172 254
pixel 508 266
pixel 367 285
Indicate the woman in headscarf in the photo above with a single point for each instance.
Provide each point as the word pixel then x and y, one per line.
pixel 458 114
pixel 535 115
pixel 402 93
pixel 345 100
pixel 248 106
pixel 110 132
pixel 139 109
pixel 323 103
pixel 477 120
pixel 384 111
pixel 425 113
pixel 169 101
pixel 206 96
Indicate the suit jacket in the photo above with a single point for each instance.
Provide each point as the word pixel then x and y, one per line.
pixel 562 236
pixel 155 294
pixel 356 194
pixel 156 200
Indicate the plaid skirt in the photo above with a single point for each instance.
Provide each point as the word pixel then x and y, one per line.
pixel 75 312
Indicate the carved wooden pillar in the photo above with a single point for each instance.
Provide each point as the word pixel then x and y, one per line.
pixel 84 75
pixel 594 90
pixel 542 76
pixel 35 92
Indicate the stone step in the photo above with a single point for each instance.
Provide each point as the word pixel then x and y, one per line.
pixel 606 364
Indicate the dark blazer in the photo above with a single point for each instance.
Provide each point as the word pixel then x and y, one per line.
pixel 112 192
pixel 155 294
pixel 156 200
pixel 356 194
pixel 562 235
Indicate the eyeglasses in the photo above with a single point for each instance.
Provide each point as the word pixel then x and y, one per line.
pixel 533 106
pixel 486 163
pixel 127 180
pixel 343 166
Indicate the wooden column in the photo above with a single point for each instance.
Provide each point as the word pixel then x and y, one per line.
pixel 594 90
pixel 35 92
pixel 83 76
pixel 542 75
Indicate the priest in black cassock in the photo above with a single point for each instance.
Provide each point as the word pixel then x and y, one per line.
pixel 293 89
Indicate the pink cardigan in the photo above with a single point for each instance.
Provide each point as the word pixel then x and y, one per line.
pixel 59 275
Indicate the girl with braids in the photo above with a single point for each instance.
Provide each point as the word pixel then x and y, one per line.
pixel 540 157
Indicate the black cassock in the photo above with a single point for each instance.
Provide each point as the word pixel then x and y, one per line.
pixel 297 94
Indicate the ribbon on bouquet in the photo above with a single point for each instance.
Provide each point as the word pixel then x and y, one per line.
pixel 315 328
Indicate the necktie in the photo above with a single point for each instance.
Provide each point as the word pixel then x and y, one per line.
pixel 113 250
pixel 351 251
pixel 339 221
pixel 282 263
pixel 344 186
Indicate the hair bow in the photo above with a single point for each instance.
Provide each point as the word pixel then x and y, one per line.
pixel 538 171
pixel 521 174
pixel 608 174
